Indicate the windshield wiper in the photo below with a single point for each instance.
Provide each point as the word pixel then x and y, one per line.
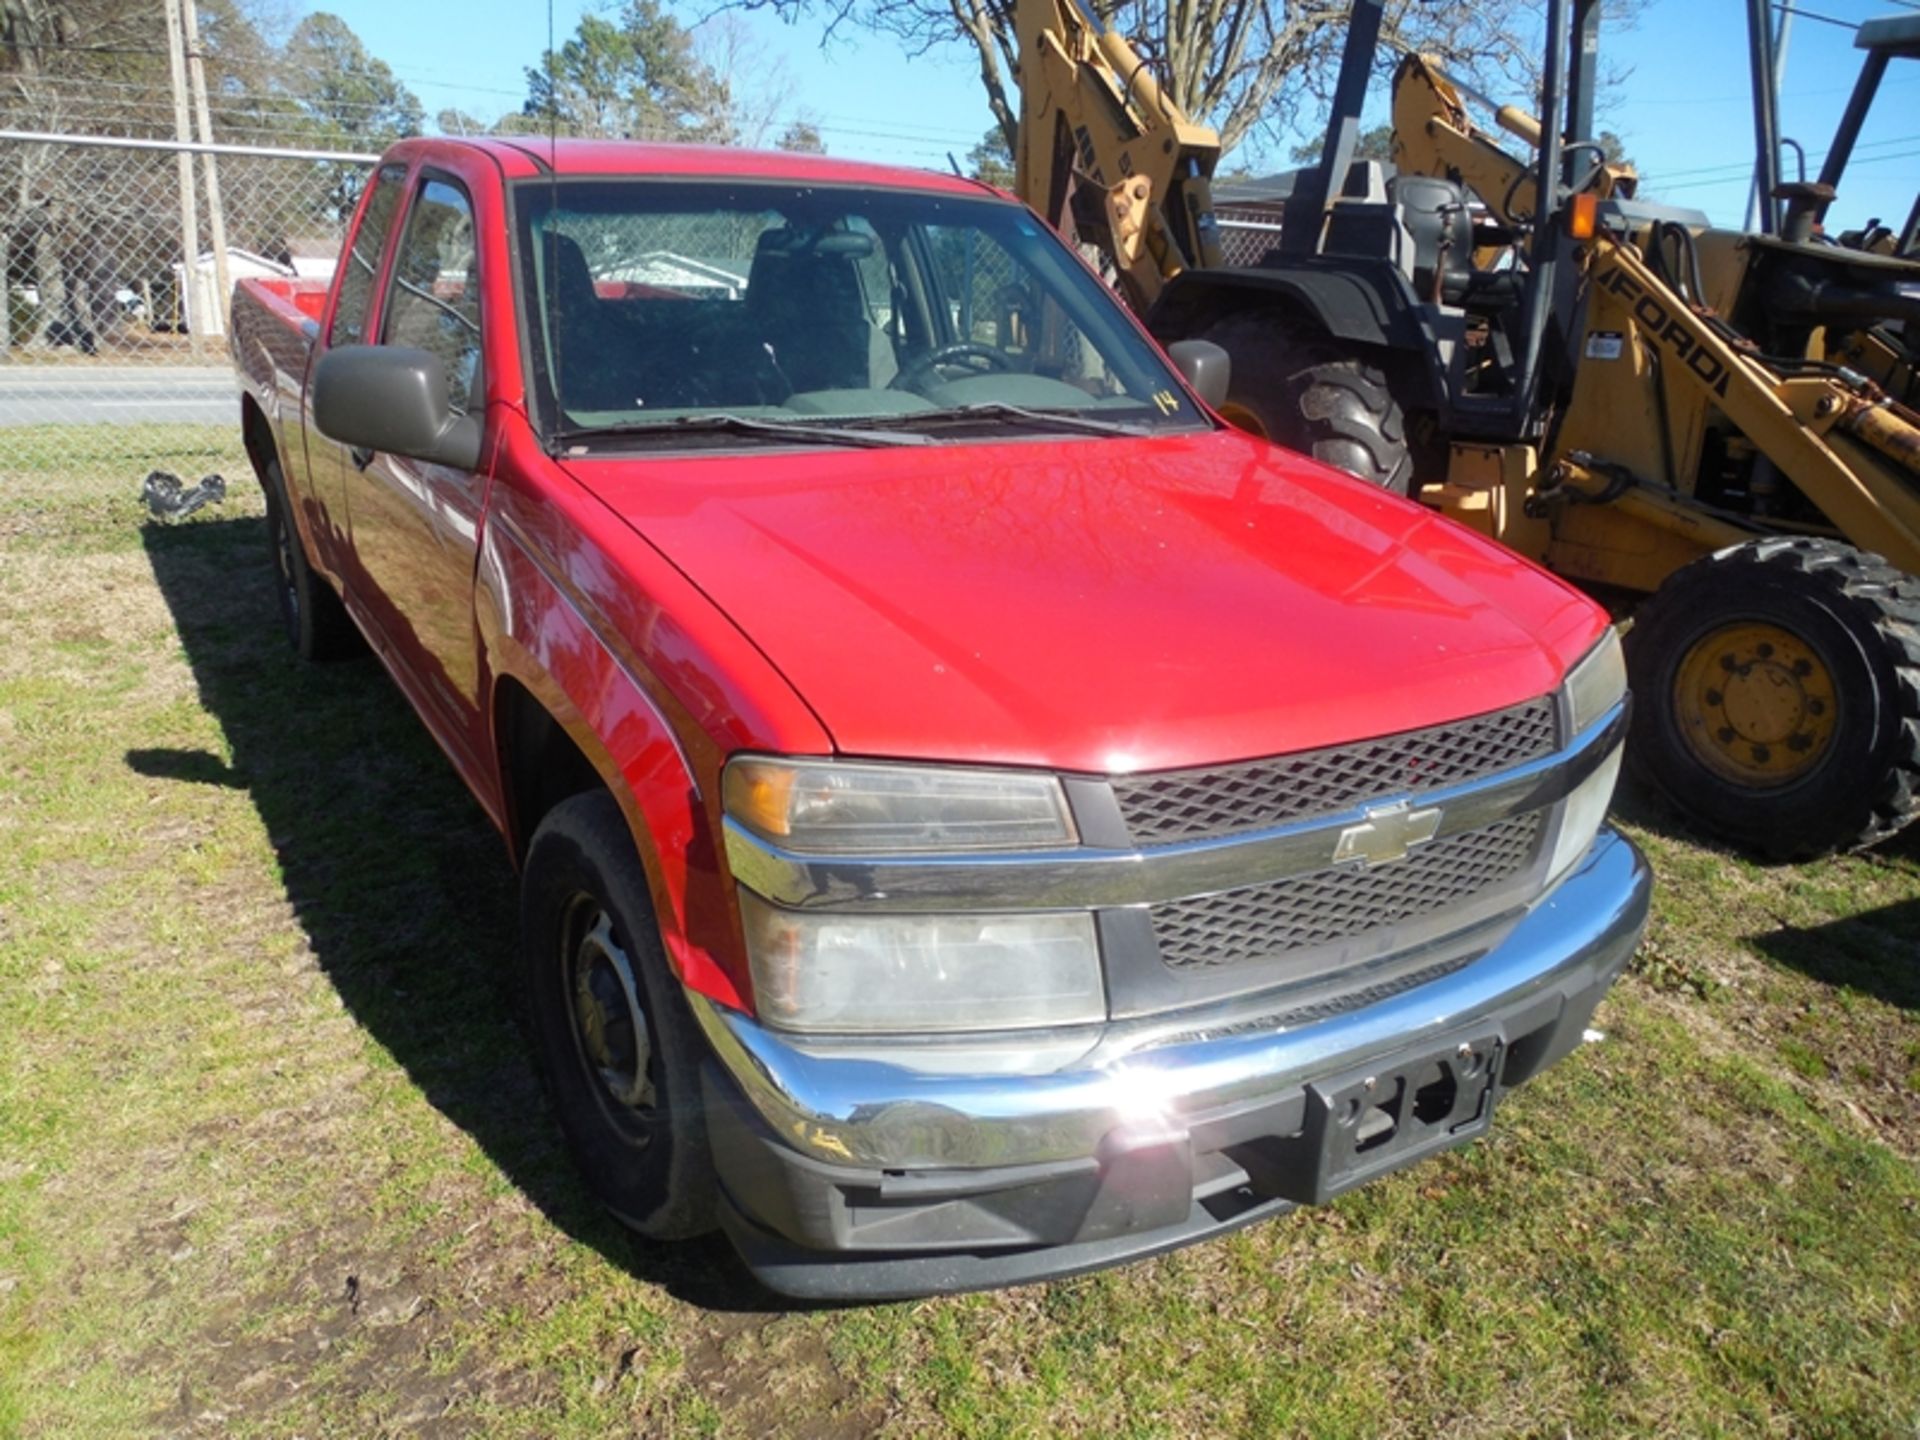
pixel 1004 410
pixel 725 424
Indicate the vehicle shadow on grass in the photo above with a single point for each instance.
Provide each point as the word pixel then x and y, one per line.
pixel 1876 952
pixel 398 879
pixel 1872 951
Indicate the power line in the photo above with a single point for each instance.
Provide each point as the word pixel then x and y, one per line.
pixel 137 97
pixel 156 52
pixel 90 85
pixel 1743 179
pixel 1746 97
pixel 1745 167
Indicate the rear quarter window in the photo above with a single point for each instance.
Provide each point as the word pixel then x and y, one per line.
pixel 360 268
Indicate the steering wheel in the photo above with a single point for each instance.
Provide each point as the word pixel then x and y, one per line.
pixel 960 352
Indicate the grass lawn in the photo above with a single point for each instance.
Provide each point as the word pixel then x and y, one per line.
pixel 272 1160
pixel 52 460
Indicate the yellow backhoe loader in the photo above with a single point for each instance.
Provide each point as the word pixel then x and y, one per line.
pixel 1714 429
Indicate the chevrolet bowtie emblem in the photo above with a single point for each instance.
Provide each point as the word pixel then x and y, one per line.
pixel 1387 834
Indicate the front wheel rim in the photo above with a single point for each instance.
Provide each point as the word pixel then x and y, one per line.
pixel 609 1023
pixel 1756 704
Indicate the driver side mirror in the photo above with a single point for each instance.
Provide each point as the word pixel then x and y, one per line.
pixel 1204 366
pixel 394 399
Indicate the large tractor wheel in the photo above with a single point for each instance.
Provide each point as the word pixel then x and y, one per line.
pixel 1777 696
pixel 1293 384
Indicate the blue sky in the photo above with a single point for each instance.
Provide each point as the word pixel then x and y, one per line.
pixel 1683 107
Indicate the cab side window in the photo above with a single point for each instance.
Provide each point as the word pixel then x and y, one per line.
pixel 433 301
pixel 362 262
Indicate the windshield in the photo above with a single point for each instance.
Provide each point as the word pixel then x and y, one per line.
pixel 653 303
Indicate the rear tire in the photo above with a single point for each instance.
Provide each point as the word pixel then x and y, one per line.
pixel 615 1042
pixel 316 622
pixel 1777 696
pixel 1295 385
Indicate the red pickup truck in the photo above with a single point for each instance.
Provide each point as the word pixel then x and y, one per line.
pixel 979 817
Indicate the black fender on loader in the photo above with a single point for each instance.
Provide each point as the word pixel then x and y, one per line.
pixel 1353 299
pixel 1327 359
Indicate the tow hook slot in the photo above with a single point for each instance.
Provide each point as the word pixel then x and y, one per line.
pixel 1362 1125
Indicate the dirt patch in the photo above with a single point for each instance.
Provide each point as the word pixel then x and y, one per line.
pixel 773 1375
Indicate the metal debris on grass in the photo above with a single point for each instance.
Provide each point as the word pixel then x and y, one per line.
pixel 168 499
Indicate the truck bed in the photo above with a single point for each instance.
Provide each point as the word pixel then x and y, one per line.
pixel 274 324
pixel 293 299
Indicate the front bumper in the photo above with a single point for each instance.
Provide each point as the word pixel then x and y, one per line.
pixel 859 1175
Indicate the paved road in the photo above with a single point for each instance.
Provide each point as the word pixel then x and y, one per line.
pixel 115 395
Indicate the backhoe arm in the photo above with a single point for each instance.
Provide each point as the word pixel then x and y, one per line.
pixel 1093 115
pixel 1432 135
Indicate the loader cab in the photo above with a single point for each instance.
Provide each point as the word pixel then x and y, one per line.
pixel 1483 298
pixel 1893 37
pixel 1852 298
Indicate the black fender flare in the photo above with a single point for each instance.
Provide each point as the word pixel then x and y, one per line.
pixel 1362 300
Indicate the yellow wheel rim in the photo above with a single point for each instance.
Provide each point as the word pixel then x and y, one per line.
pixel 1242 418
pixel 1755 704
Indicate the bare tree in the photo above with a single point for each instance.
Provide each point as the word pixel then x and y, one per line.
pixel 1242 66
pixel 756 86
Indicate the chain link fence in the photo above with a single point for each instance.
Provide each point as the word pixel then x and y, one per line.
pixel 1249 226
pixel 1245 241
pixel 112 328
pixel 113 356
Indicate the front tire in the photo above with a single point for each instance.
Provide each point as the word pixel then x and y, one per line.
pixel 1777 690
pixel 615 1043
pixel 1293 384
pixel 316 623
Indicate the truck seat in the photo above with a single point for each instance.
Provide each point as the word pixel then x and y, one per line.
pixel 596 355
pixel 803 295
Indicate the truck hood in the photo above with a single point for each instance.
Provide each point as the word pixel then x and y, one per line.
pixel 1100 605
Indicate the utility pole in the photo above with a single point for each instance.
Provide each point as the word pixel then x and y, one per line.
pixel 216 213
pixel 1783 31
pixel 189 206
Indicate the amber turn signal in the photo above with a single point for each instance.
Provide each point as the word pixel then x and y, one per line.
pixel 1583 216
pixel 761 794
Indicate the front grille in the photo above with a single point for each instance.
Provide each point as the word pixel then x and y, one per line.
pixel 1264 921
pixel 1195 804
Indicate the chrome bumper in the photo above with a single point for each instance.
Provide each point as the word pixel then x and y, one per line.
pixel 1029 1100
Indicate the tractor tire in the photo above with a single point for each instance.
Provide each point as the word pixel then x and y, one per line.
pixel 1297 386
pixel 1777 696
pixel 316 623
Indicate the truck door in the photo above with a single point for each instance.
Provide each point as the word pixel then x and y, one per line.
pixel 416 525
pixel 324 494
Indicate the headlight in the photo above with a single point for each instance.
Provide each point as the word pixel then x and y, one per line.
pixel 1598 682
pixel 922 973
pixel 836 807
pixel 1582 815
pixel 1594 686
